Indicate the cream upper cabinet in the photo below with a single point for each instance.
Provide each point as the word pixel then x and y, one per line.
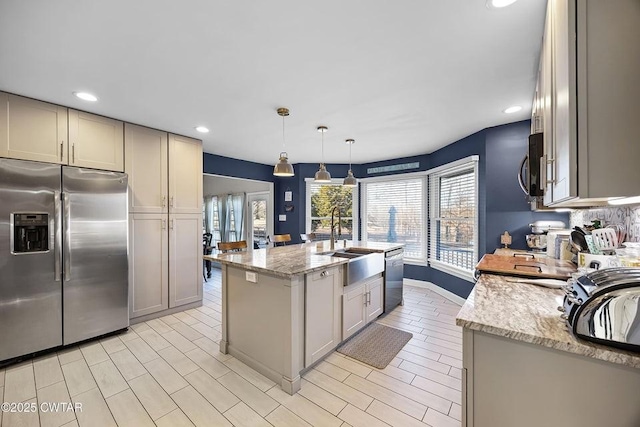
pixel 323 331
pixel 95 141
pixel 146 163
pixel 148 264
pixel 32 130
pixel 589 73
pixel 185 175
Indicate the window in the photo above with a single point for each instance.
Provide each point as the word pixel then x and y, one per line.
pixel 321 198
pixel 394 211
pixel 453 218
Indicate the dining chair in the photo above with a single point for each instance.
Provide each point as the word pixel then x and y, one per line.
pixel 206 250
pixel 232 246
pixel 281 238
pixel 308 237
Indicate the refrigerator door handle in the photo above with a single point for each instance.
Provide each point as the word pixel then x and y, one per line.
pixel 57 236
pixel 67 237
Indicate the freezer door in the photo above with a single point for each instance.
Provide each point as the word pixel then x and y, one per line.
pixel 95 275
pixel 30 286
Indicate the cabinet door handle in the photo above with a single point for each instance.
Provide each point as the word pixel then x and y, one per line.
pixel 164 201
pixel 323 274
pixel 544 162
pixel 73 153
pixel 369 298
pixel 61 150
pixel 171 225
pixel 164 224
pixel 171 202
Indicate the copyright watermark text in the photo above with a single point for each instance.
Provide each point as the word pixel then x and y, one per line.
pixel 42 407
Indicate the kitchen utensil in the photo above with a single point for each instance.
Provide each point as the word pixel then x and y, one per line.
pixel 578 241
pixel 547 283
pixel 590 245
pixel 605 240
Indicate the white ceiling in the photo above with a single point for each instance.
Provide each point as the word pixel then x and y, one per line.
pixel 401 77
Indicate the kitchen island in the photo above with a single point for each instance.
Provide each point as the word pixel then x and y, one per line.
pixel 285 308
pixel 522 366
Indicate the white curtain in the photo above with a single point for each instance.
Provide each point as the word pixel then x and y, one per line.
pixel 208 213
pixel 239 213
pixel 223 218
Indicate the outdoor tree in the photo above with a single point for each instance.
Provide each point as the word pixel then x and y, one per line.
pixel 324 199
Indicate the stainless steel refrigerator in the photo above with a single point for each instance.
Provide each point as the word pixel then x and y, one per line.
pixel 63 255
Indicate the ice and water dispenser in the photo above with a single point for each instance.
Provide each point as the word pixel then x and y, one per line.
pixel 30 232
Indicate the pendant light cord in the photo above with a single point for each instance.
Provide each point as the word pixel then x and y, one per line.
pixel 323 146
pixel 284 148
pixel 350 155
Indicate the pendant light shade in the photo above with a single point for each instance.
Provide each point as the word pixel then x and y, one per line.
pixel 350 180
pixel 283 167
pixel 323 174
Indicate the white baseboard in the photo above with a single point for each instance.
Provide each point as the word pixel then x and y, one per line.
pixel 437 289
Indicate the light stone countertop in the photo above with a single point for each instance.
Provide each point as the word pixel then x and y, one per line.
pixel 290 260
pixel 529 313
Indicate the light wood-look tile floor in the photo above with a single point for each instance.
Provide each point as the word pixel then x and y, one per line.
pixel 169 372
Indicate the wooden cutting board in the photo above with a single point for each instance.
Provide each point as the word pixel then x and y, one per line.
pixel 526 267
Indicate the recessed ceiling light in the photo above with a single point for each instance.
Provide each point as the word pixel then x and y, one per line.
pixel 85 96
pixel 202 129
pixel 499 3
pixel 513 109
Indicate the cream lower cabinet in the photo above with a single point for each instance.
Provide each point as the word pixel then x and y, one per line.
pixel 185 259
pixel 149 274
pixel 362 303
pixel 32 130
pixel 322 313
pixel 95 142
pixel 165 262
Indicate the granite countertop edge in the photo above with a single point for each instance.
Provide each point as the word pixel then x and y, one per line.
pixel 477 316
pixel 292 260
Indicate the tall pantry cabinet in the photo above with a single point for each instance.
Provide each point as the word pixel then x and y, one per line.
pixel 165 220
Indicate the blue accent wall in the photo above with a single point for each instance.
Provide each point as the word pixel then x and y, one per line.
pixel 507 207
pixel 227 166
pixel 501 205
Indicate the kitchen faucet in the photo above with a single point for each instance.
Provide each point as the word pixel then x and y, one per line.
pixel 333 226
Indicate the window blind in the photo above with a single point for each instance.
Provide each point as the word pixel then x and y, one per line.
pixel 453 217
pixel 321 198
pixel 394 212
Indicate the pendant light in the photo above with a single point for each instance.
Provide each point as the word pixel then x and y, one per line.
pixel 283 167
pixel 350 180
pixel 323 174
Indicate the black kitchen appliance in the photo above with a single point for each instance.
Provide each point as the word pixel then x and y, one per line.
pixel 393 275
pixel 604 307
pixel 530 167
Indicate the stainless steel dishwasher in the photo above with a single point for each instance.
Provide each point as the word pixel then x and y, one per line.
pixel 393 274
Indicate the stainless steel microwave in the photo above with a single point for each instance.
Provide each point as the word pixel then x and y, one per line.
pixel 529 175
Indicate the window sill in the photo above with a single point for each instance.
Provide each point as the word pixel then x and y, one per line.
pixel 457 272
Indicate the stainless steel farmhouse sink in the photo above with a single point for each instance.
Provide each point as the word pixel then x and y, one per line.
pixel 361 265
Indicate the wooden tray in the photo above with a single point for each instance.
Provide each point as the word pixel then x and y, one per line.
pixel 526 266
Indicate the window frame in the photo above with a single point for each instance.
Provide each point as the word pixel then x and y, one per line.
pixel 355 197
pixel 451 169
pixel 424 229
pixel 469 161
